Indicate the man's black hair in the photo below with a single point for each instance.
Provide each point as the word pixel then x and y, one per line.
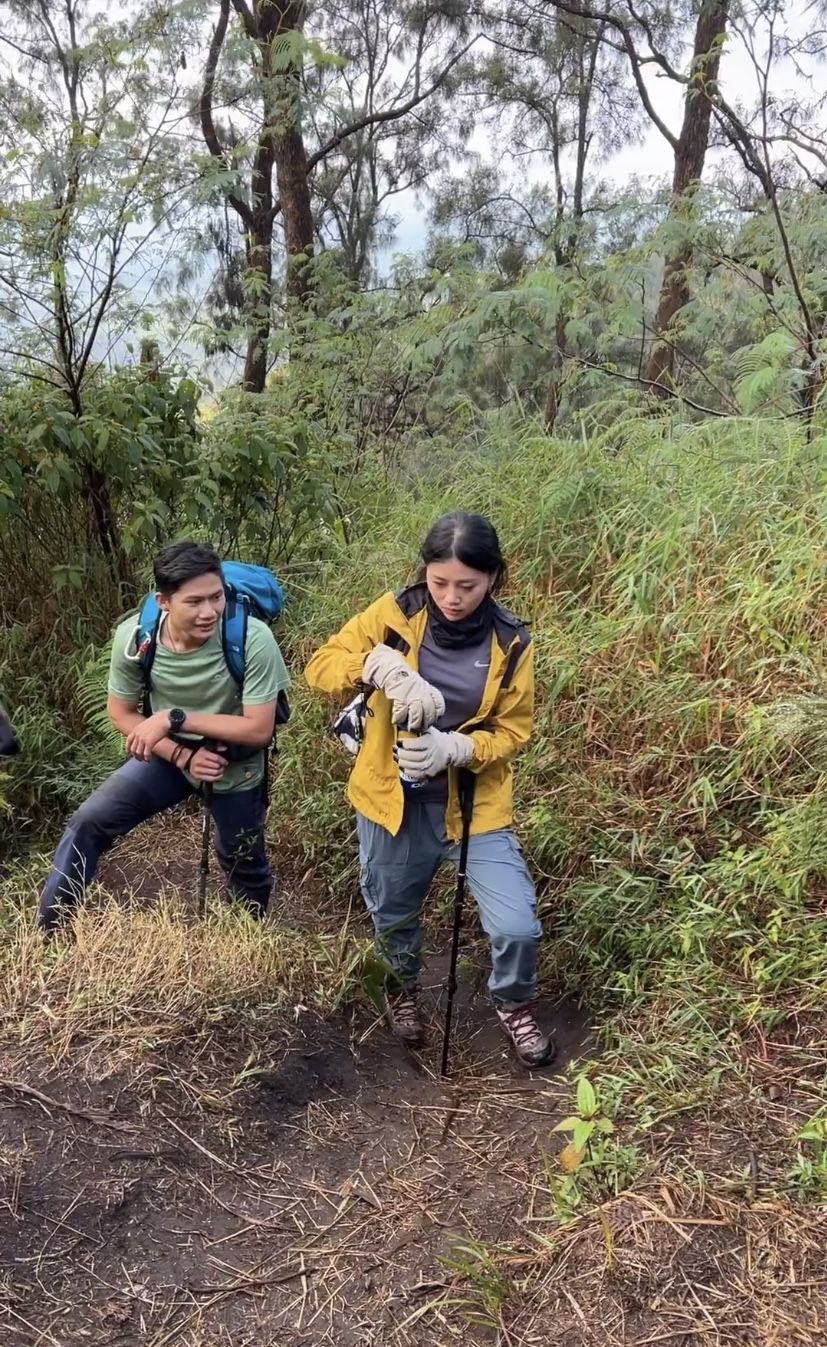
pixel 180 562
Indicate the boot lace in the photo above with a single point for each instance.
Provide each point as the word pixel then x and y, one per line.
pixel 523 1027
pixel 405 1008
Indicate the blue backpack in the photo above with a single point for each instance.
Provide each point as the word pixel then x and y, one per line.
pixel 252 591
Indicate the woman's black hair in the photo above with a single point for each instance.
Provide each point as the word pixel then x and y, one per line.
pixel 179 562
pixel 471 539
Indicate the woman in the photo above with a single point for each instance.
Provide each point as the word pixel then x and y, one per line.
pixel 455 670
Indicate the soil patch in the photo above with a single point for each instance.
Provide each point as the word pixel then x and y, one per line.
pixel 309 1202
pixel 321 1185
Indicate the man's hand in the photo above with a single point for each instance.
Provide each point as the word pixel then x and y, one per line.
pixel 142 740
pixel 433 752
pixel 206 765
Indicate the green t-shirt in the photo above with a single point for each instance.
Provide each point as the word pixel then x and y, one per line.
pixel 199 682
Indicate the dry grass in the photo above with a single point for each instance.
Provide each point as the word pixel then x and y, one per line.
pixel 682 1265
pixel 129 977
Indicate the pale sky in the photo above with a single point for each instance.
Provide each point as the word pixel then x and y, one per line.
pixel 651 159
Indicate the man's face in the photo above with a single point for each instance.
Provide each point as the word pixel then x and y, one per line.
pixel 195 609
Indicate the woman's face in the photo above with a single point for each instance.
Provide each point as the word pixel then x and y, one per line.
pixel 456 589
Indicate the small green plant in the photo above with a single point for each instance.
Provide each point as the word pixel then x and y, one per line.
pixel 808 1175
pixel 583 1125
pixel 487 1284
pixel 595 1166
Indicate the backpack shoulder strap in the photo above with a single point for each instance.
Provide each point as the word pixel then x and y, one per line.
pixel 396 642
pixel 146 643
pixel 507 626
pixel 234 636
pixel 522 644
pixel 234 625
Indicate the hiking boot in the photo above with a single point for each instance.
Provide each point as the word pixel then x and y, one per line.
pixel 519 1024
pixel 403 1014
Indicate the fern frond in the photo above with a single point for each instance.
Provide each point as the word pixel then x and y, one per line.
pixel 91 696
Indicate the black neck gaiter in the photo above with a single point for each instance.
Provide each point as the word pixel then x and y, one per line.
pixel 468 631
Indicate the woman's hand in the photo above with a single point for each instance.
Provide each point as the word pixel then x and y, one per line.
pixel 416 703
pixel 433 752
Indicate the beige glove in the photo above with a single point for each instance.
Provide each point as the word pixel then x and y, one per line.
pixel 433 752
pixel 415 703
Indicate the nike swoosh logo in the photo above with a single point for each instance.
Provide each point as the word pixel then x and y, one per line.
pixel 478 665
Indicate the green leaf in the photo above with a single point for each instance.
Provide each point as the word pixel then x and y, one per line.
pixel 567 1125
pixel 67 576
pixel 586 1098
pixel 62 432
pixel 581 1134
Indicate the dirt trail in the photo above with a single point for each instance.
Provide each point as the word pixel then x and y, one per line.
pixel 307 1202
pixel 300 1183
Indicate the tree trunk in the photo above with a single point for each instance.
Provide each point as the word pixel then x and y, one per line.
pixel 281 146
pixel 567 244
pixel 690 154
pixel 105 528
pixel 291 160
pixel 258 283
pixel 555 383
pixel 296 210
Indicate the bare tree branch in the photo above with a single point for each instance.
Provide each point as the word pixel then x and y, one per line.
pixel 391 114
pixel 205 108
pixel 247 18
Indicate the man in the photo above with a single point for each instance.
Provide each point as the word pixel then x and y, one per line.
pixel 203 731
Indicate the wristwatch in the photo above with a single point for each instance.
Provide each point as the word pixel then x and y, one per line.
pixel 177 718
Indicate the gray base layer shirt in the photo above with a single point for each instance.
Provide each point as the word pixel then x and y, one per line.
pixel 460 673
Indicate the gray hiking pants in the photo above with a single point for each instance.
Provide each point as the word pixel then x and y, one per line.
pixel 397 872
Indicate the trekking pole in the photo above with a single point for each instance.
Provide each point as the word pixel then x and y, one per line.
pixel 204 867
pixel 206 820
pixel 467 782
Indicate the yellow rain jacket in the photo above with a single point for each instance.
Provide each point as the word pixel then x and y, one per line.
pixel 500 728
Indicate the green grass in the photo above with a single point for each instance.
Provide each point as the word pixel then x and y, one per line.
pixel 672 806
pixel 676 588
pixel 672 801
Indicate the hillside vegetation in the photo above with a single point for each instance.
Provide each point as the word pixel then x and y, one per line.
pixel 671 802
pixel 608 333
